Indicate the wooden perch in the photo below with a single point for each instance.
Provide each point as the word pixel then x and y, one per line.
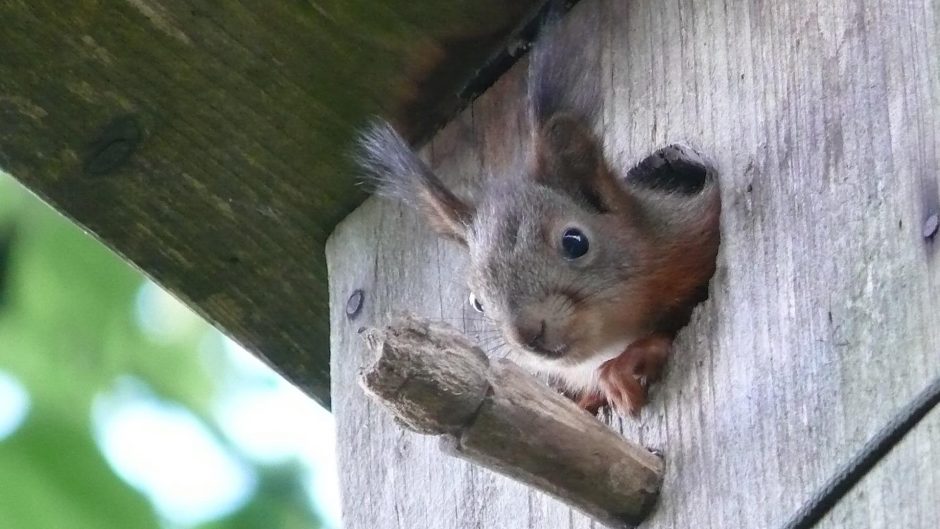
pixel 436 382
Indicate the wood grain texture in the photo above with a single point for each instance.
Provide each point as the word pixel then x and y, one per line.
pixel 823 119
pixel 433 380
pixel 428 375
pixel 544 440
pixel 208 142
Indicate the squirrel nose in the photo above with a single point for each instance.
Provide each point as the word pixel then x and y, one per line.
pixel 533 336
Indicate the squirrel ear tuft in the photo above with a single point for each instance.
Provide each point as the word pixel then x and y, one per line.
pixel 564 67
pixel 564 103
pixel 394 170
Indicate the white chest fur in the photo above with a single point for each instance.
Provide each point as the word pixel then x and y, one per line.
pixel 576 378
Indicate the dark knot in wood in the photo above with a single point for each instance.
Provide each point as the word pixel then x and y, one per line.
pixel 113 146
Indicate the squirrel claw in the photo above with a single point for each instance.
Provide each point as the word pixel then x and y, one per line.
pixel 622 390
pixel 592 402
pixel 621 399
pixel 623 380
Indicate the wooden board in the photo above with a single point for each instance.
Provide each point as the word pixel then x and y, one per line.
pixel 824 122
pixel 207 142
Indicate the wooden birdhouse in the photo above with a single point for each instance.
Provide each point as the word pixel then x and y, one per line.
pixel 210 145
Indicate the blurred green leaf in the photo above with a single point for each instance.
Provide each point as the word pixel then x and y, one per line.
pixel 52 475
pixel 279 503
pixel 67 331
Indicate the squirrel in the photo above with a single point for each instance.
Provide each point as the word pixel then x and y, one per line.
pixel 588 274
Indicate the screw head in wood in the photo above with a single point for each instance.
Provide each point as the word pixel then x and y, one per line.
pixel 354 303
pixel 931 225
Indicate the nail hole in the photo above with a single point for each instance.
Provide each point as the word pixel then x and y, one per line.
pixel 931 225
pixel 354 303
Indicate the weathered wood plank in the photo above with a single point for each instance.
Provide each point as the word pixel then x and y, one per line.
pixel 824 123
pixel 207 142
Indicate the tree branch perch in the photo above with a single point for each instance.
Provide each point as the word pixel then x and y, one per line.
pixel 434 381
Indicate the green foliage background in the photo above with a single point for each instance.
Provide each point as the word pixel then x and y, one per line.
pixel 67 332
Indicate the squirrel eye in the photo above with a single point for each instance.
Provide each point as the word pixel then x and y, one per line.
pixel 574 243
pixel 475 303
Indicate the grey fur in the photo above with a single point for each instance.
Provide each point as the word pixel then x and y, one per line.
pixel 397 172
pixel 563 71
pixel 514 262
pixel 390 166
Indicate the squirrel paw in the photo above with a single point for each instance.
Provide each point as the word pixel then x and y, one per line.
pixel 591 402
pixel 621 387
pixel 623 380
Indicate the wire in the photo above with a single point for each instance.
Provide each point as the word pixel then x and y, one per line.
pixel 874 450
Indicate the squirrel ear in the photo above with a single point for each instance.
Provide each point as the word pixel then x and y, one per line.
pixel 395 171
pixel 569 158
pixel 564 103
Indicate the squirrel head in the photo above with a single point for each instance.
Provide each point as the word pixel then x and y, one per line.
pixel 567 258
